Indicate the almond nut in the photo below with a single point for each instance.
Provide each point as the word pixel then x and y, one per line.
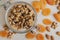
pixel 48 29
pixel 58 33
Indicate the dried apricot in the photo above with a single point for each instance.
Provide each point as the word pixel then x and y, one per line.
pixel 41 28
pixel 47 21
pixel 37 10
pixel 3 33
pixel 30 35
pixel 39 37
pixel 42 4
pixel 51 2
pixel 36 5
pixel 46 11
pixel 57 17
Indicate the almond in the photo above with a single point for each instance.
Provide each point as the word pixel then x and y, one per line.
pixel 58 7
pixel 48 29
pixel 58 33
pixel 48 36
pixel 52 38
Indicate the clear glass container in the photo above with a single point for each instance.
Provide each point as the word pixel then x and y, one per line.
pixel 6 17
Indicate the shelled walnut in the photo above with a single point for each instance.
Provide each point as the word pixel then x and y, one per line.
pixel 54 25
pixel 21 16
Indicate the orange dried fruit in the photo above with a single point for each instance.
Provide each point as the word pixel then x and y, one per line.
pixel 46 11
pixel 39 37
pixel 43 4
pixel 51 2
pixel 37 10
pixel 3 33
pixel 36 5
pixel 30 35
pixel 47 21
pixel 57 17
pixel 41 28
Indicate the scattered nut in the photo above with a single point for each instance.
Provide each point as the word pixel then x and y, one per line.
pixel 54 25
pixel 48 37
pixel 56 2
pixel 48 29
pixel 58 33
pixel 10 34
pixel 52 38
pixel 59 4
pixel 58 7
pixel 5 27
pixel 58 12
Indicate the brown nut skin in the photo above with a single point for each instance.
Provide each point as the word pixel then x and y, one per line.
pixel 54 25
pixel 52 38
pixel 48 36
pixel 21 16
pixel 58 7
pixel 58 33
pixel 47 28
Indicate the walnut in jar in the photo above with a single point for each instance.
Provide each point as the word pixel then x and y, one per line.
pixel 21 16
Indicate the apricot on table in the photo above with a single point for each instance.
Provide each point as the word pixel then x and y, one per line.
pixel 39 37
pixel 43 4
pixel 41 28
pixel 57 16
pixel 3 33
pixel 47 21
pixel 36 5
pixel 46 11
pixel 30 35
pixel 51 2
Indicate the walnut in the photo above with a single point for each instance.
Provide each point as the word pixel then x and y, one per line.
pixel 21 16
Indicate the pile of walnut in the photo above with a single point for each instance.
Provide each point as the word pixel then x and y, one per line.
pixel 21 16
